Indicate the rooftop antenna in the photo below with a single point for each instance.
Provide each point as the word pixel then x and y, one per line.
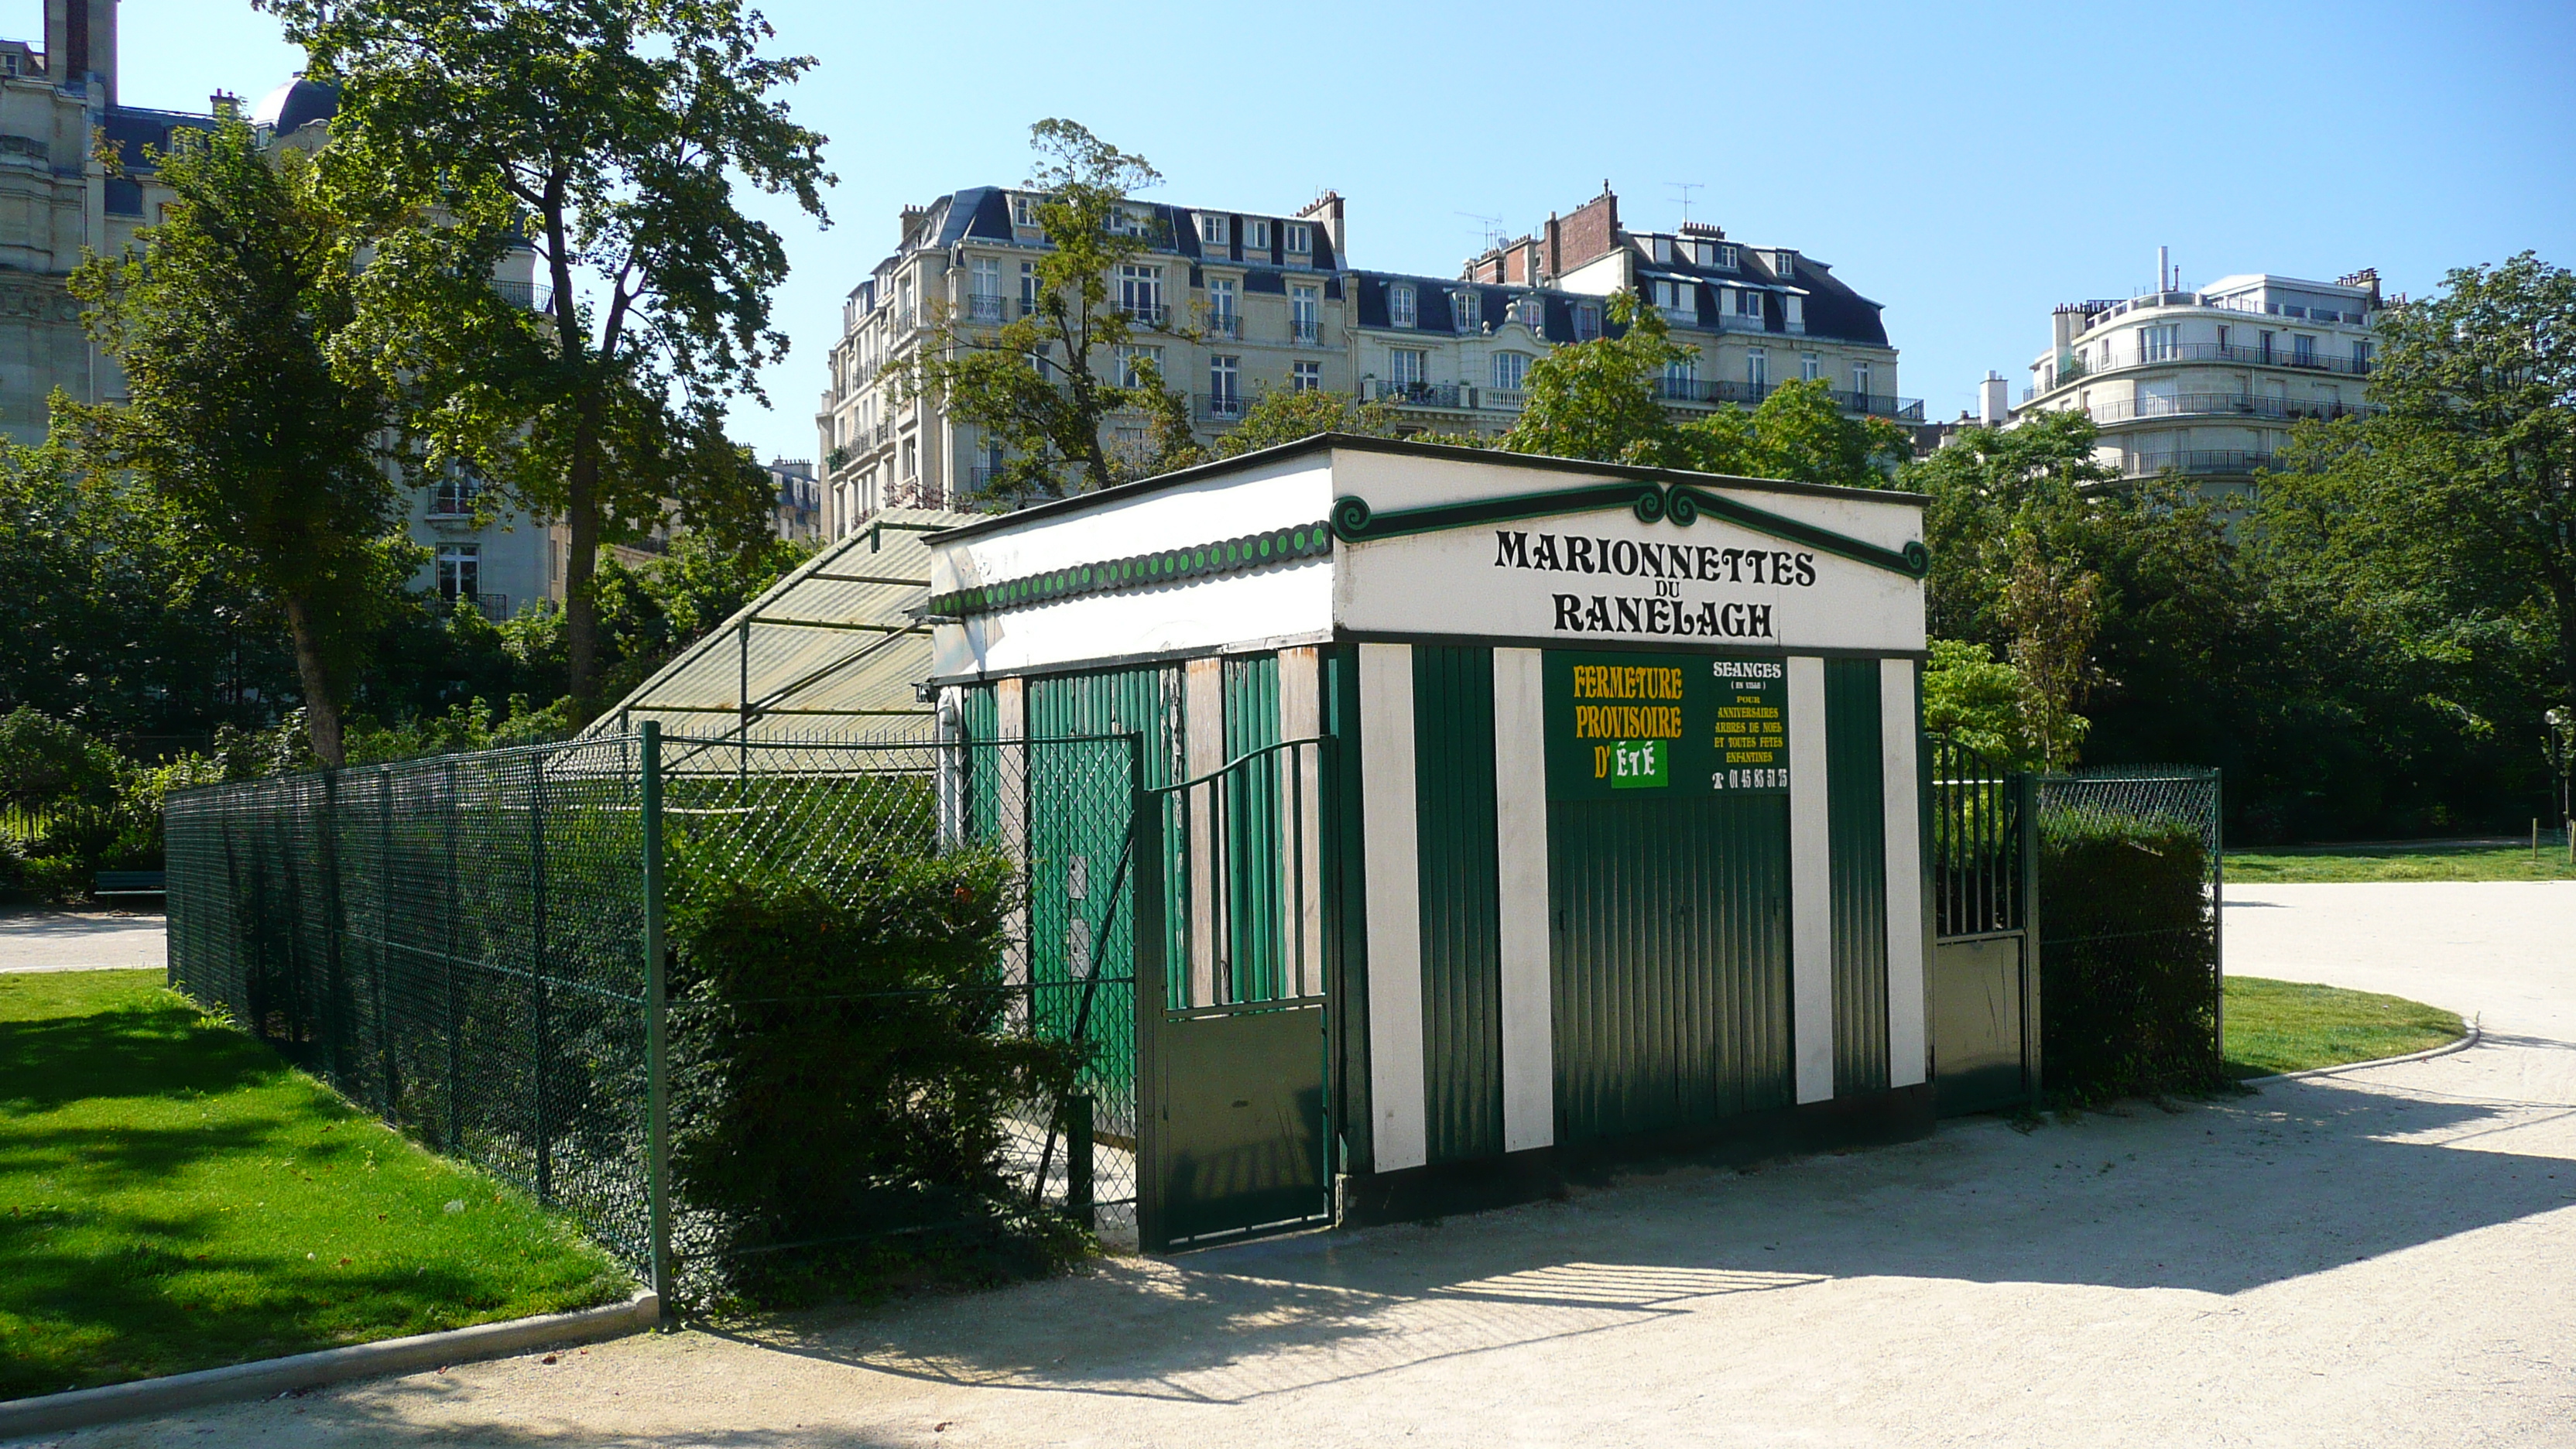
pixel 1493 229
pixel 1686 188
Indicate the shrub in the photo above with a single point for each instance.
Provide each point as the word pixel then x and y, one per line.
pixel 842 1078
pixel 2128 987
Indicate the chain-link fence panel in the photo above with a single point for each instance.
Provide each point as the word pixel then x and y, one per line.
pixel 455 944
pixel 2130 874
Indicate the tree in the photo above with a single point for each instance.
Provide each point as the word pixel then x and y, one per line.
pixel 1284 417
pixel 224 322
pixel 1602 400
pixel 1035 383
pixel 610 134
pixel 2449 520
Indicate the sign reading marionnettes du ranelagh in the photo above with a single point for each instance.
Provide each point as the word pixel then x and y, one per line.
pixel 1619 722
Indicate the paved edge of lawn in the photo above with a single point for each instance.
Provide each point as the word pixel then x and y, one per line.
pixel 2463 1044
pixel 78 1408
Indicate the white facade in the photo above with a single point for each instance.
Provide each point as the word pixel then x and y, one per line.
pixel 2207 384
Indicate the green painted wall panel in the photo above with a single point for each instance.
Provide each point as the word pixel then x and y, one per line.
pixel 1146 700
pixel 1856 826
pixel 1669 922
pixel 1345 867
pixel 1257 847
pixel 1453 753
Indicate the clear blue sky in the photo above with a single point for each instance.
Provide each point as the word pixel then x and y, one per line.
pixel 1967 166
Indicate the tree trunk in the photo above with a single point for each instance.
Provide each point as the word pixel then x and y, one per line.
pixel 321 703
pixel 581 566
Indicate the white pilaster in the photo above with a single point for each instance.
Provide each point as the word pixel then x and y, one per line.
pixel 1520 854
pixel 1301 802
pixel 1905 965
pixel 1394 892
pixel 1811 912
pixel 1203 736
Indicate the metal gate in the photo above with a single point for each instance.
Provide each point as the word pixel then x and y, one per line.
pixel 1982 849
pixel 1234 1035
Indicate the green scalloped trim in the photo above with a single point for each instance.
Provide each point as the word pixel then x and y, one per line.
pixel 1355 522
pixel 1243 554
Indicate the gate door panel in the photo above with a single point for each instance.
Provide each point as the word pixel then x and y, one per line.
pixel 1985 972
pixel 1238 1047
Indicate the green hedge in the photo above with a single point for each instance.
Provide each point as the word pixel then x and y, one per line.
pixel 845 1080
pixel 2128 974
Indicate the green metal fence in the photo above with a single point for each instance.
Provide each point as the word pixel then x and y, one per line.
pixel 470 946
pixel 2130 875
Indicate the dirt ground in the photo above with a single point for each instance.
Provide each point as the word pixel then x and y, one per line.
pixel 2379 1258
pixel 35 938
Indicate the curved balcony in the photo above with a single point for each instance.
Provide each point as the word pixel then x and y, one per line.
pixel 2230 405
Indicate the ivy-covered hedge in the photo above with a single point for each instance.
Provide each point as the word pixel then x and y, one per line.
pixel 2128 958
pixel 844 1079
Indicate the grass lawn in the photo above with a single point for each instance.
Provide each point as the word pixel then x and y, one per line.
pixel 2398 862
pixel 174 1197
pixel 2289 1026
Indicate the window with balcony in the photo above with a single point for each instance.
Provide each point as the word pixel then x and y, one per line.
pixel 1223 318
pixel 1861 378
pixel 1028 288
pixel 1467 307
pixel 452 496
pixel 2361 357
pixel 1681 378
pixel 1757 371
pixel 1225 387
pixel 984 289
pixel 460 571
pixel 1216 231
pixel 1405 367
pixel 2303 350
pixel 1511 370
pixel 1400 308
pixel 1140 293
pixel 1301 239
pixel 1587 321
pixel 1305 313
pixel 1305 377
pixel 2159 343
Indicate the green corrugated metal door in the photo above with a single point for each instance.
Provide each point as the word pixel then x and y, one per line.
pixel 1856 829
pixel 1145 700
pixel 1256 909
pixel 1670 918
pixel 1453 741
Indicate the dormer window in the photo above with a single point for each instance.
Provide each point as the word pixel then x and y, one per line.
pixel 1024 210
pixel 1587 321
pixel 1727 256
pixel 1214 230
pixel 1784 264
pixel 1705 253
pixel 1260 238
pixel 1469 309
pixel 1301 239
pixel 1663 248
pixel 1400 306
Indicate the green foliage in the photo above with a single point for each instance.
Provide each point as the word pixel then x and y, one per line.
pixel 611 136
pixel 2127 961
pixel 1045 384
pixel 71 805
pixel 1602 400
pixel 180 1199
pixel 842 1072
pixel 224 321
pixel 1281 417
pixel 1975 699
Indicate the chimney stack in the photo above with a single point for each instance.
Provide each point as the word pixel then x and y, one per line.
pixel 80 42
pixel 1994 400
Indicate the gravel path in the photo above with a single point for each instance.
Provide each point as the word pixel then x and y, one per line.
pixel 2385 1257
pixel 44 940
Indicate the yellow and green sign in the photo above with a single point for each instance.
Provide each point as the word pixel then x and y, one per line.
pixel 1689 722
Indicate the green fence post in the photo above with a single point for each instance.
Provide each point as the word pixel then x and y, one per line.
pixel 657 1126
pixel 334 983
pixel 2218 918
pixel 455 912
pixel 1148 951
pixel 543 1046
pixel 388 1085
pixel 1077 1159
pixel 2033 1004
